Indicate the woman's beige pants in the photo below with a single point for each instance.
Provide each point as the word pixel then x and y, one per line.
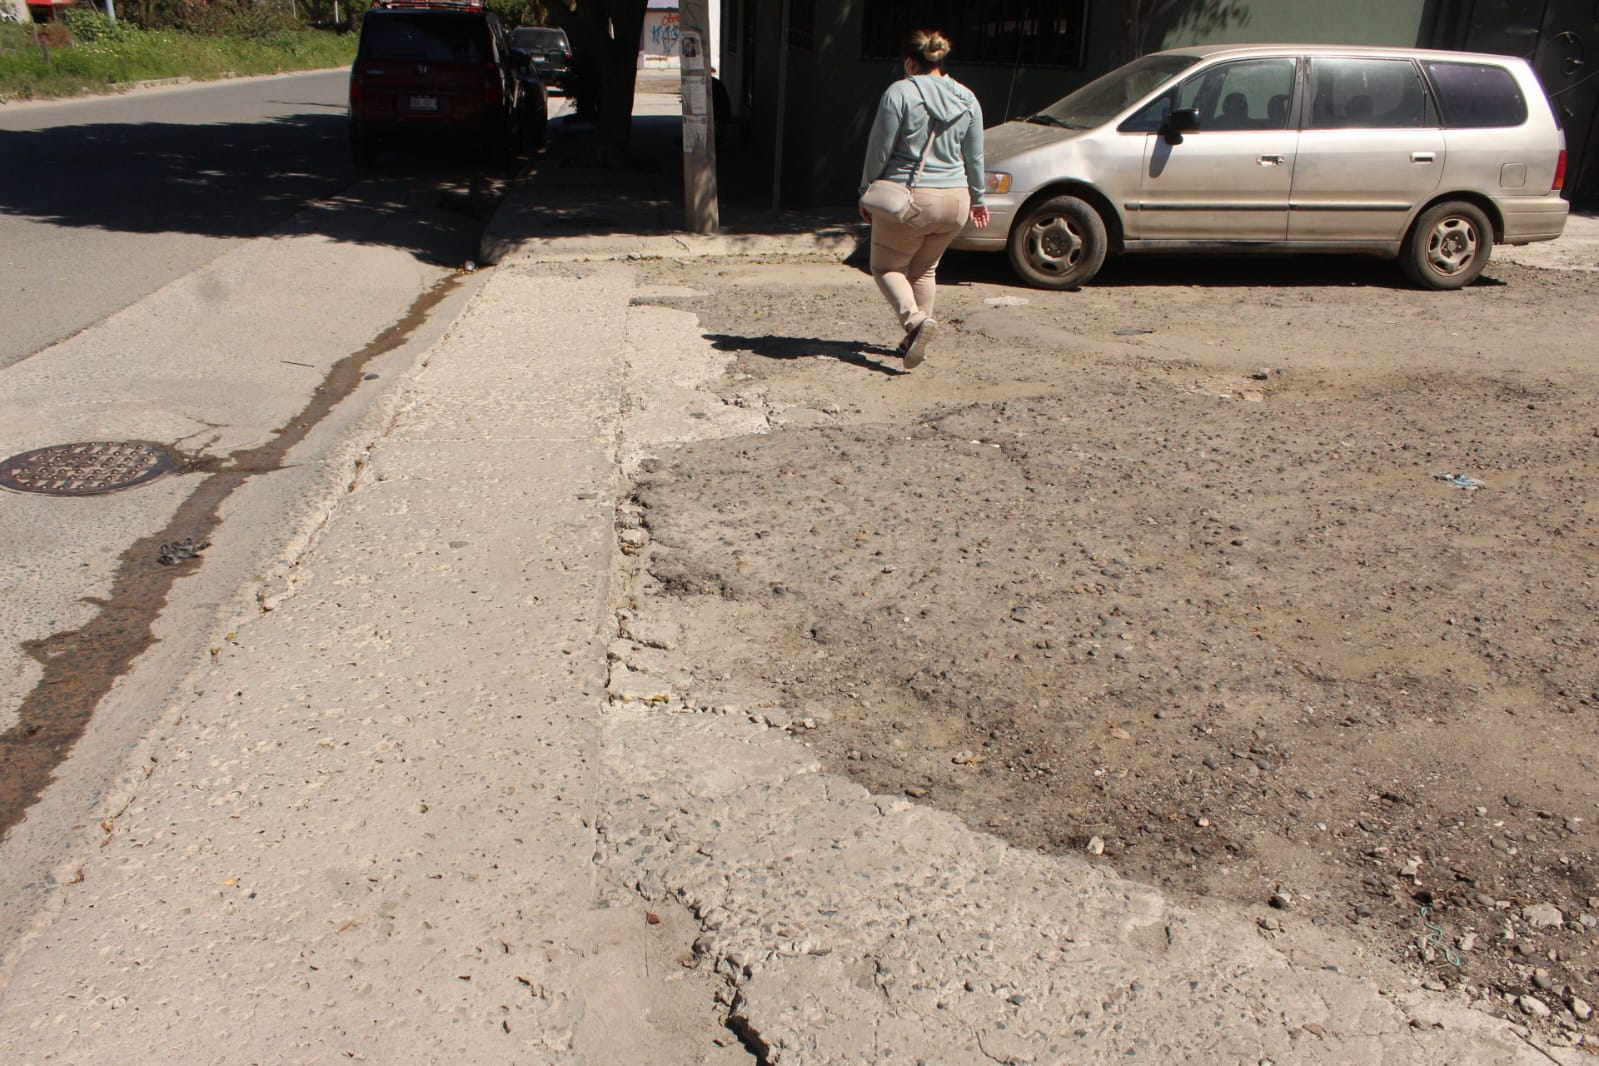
pixel 905 255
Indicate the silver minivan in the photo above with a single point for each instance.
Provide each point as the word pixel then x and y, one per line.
pixel 1428 156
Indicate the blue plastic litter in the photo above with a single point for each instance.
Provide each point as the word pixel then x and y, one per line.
pixel 1460 481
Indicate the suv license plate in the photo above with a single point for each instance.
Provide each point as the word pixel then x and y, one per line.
pixel 424 103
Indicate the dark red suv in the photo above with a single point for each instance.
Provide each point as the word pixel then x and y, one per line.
pixel 439 71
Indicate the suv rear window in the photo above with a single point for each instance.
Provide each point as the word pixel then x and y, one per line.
pixel 425 37
pixel 1477 96
pixel 537 38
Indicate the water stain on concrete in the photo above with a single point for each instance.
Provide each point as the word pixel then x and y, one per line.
pixel 81 665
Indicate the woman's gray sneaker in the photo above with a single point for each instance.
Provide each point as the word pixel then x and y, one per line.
pixel 920 338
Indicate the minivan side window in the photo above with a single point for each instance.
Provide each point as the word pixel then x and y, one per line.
pixel 1251 94
pixel 1477 95
pixel 1368 94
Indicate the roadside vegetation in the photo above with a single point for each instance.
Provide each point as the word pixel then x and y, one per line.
pixel 86 53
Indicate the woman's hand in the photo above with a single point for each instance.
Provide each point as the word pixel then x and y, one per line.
pixel 980 216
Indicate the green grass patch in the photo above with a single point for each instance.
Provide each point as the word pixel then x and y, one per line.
pixel 101 58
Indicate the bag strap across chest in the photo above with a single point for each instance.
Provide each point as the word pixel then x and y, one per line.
pixel 934 130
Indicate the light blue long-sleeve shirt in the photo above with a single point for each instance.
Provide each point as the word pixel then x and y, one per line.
pixel 902 127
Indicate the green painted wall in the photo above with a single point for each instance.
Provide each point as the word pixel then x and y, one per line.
pixel 832 93
pixel 1370 22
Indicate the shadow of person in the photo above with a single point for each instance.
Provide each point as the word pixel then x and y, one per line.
pixel 775 347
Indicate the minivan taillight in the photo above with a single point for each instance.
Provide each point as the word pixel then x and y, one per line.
pixel 355 90
pixel 491 85
pixel 1560 171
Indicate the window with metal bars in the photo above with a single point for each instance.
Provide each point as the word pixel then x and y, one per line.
pixel 1034 33
pixel 802 24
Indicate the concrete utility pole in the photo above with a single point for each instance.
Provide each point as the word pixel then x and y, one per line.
pixel 700 209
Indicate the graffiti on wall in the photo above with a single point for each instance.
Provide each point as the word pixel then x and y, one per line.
pixel 662 34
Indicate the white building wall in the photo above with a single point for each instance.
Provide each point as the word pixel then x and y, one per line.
pixel 660 44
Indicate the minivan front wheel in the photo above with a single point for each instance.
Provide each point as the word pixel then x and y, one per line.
pixel 1059 243
pixel 1448 246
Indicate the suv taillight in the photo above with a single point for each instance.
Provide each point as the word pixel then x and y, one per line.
pixel 491 85
pixel 355 89
pixel 1560 171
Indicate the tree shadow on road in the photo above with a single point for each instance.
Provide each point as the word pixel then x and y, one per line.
pixel 243 180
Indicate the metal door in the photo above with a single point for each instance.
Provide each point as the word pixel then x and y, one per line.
pixel 1567 62
pixel 1560 38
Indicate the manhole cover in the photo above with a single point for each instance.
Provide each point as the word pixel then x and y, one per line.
pixel 87 468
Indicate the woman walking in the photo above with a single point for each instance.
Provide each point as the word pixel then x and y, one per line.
pixel 928 136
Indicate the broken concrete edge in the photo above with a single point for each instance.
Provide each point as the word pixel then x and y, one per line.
pixel 829 242
pixel 642 702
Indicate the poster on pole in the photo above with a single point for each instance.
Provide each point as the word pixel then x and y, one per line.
pixel 693 52
pixel 696 135
pixel 694 97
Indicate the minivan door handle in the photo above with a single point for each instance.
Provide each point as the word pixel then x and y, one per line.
pixel 1423 157
pixel 1270 160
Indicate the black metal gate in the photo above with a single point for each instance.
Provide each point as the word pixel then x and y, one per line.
pixel 1561 40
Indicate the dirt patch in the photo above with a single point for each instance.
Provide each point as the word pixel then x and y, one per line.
pixel 1277 588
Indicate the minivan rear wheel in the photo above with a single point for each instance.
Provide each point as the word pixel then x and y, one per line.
pixel 1059 243
pixel 1448 246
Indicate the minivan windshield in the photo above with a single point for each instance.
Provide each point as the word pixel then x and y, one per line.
pixel 1106 97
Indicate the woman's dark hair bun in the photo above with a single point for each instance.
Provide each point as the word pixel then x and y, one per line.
pixel 928 47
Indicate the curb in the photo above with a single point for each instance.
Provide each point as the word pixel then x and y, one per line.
pixel 156 83
pixel 833 242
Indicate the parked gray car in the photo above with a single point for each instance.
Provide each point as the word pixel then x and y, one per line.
pixel 1428 156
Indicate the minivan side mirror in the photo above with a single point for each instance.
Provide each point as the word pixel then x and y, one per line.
pixel 1183 120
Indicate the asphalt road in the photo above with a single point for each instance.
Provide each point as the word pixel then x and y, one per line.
pixel 202 269
pixel 104 200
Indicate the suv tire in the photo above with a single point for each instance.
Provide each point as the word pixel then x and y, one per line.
pixel 363 150
pixel 1059 243
pixel 1448 246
